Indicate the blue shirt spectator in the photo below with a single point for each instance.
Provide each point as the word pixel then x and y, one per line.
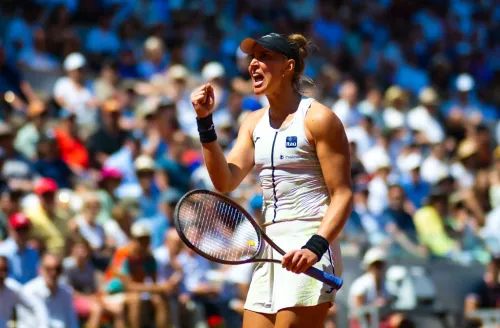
pixel 102 40
pixel 416 189
pixel 23 260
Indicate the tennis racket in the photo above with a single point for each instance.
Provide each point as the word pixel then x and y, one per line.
pixel 220 230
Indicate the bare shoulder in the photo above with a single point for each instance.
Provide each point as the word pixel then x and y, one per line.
pixel 321 120
pixel 252 119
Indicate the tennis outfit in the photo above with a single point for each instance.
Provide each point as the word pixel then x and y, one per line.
pixel 295 200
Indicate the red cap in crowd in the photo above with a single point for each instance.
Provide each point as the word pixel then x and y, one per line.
pixel 45 185
pixel 19 220
pixel 110 173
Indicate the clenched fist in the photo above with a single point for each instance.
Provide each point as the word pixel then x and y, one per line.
pixel 203 100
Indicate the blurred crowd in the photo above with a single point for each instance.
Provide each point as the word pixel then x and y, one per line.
pixel 93 164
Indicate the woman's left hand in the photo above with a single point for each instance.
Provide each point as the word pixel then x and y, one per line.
pixel 299 260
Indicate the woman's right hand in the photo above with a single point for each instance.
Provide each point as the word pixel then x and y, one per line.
pixel 203 100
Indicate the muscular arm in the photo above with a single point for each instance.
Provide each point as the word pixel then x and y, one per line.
pixel 227 174
pixel 332 149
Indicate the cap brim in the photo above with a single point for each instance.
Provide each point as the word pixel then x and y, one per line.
pixel 247 45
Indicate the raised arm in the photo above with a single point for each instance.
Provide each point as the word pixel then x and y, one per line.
pixel 226 174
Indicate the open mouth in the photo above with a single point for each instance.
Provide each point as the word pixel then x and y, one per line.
pixel 258 80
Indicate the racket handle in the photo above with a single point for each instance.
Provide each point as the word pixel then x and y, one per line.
pixel 327 278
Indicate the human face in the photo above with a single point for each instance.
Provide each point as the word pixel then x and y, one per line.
pixel 51 270
pixel 396 198
pixel 267 69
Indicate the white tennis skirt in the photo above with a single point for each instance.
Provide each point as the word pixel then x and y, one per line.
pixel 274 288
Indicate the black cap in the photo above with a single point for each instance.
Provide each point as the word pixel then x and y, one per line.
pixel 274 42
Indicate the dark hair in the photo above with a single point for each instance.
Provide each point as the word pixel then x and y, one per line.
pixel 301 46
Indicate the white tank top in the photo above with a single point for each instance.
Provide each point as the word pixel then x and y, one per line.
pixel 292 182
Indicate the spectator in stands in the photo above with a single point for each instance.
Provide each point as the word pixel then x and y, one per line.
pixel 429 222
pixel 156 58
pixel 149 195
pixel 346 107
pixel 9 204
pixel 49 163
pixel 370 289
pixel 199 292
pixel 123 161
pixel 109 138
pixel 464 108
pixel 80 274
pixel 425 119
pixel 372 106
pixel 16 171
pixel 117 228
pixel 71 147
pixel 50 225
pixel 138 273
pixel 11 294
pixel 172 169
pixel 58 29
pixel 12 80
pixel 28 136
pixel 362 135
pixel 38 58
pixel 462 227
pixel 23 260
pixel 55 297
pixel 20 32
pixel 396 105
pixel 435 166
pixel 416 189
pixel 102 40
pixel 71 94
pixel 165 219
pixel 486 294
pixel 464 171
pixel 85 224
pixel 105 86
pixel 399 225
pixel 109 181
pixel 378 186
pixel 374 228
pixel 170 272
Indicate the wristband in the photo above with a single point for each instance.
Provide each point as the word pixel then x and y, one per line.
pixel 318 245
pixel 206 129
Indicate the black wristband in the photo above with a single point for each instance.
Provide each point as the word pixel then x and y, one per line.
pixel 318 245
pixel 206 129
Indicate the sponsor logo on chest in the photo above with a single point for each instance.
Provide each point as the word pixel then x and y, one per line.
pixel 291 142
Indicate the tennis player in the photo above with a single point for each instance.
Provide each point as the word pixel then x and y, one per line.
pixel 301 150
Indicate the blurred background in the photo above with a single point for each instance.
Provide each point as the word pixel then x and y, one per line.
pixel 98 141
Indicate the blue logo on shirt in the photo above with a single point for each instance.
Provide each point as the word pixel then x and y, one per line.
pixel 291 142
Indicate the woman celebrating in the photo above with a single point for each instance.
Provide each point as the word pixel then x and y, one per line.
pixel 302 153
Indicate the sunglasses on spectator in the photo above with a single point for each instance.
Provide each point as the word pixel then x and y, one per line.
pixel 23 229
pixel 56 269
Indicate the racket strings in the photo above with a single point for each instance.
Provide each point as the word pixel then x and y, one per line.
pixel 218 228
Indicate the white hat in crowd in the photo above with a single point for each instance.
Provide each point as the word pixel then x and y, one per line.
pixel 374 255
pixel 212 71
pixel 410 162
pixel 74 61
pixel 140 229
pixel 465 83
pixel 144 163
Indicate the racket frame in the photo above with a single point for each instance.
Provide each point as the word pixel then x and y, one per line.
pixel 260 232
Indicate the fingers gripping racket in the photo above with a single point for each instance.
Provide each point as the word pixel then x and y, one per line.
pixel 220 230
